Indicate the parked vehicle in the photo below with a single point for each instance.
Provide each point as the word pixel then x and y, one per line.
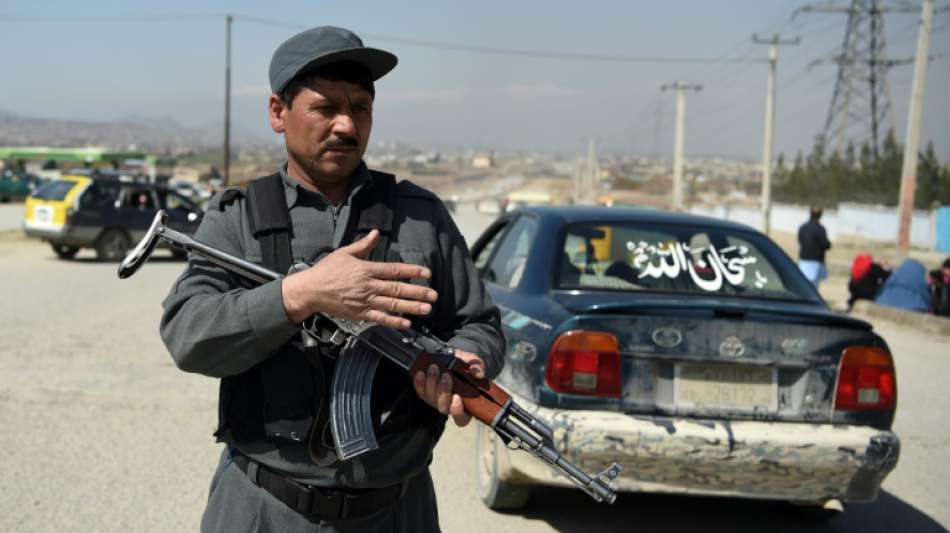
pixel 516 199
pixel 198 195
pixel 107 214
pixel 488 206
pixel 15 185
pixel 690 350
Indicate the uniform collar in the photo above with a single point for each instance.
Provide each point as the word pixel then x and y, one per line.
pixel 360 180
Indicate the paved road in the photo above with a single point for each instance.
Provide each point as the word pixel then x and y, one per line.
pixel 11 216
pixel 100 432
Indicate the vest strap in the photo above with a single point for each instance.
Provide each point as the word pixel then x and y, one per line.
pixel 269 221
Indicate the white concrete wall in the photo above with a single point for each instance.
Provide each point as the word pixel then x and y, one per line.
pixel 873 222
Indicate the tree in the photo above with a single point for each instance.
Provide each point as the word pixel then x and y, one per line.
pixel 858 176
pixel 933 181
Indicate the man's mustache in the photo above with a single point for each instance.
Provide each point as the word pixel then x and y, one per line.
pixel 341 142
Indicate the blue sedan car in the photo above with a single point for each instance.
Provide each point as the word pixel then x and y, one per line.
pixel 688 349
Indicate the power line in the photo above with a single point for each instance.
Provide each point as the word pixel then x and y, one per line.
pixel 437 45
pixel 541 54
pixel 778 22
pixel 739 99
pixel 743 121
pixel 736 102
pixel 731 75
pixel 118 18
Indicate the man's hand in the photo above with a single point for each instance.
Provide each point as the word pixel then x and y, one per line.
pixel 345 285
pixel 436 389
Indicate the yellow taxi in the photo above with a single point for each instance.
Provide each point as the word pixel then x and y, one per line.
pixel 49 209
pixel 103 211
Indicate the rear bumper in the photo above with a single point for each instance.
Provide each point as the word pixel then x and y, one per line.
pixel 43 231
pixel 770 460
pixel 68 235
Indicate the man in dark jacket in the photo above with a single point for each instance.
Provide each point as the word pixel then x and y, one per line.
pixel 319 207
pixel 813 243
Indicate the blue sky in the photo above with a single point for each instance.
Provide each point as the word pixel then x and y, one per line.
pixel 446 98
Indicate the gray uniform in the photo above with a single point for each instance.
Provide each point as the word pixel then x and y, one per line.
pixel 214 327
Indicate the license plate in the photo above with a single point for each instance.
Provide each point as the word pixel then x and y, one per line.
pixel 729 386
pixel 43 214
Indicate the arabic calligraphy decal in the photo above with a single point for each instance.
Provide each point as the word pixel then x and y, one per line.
pixel 708 267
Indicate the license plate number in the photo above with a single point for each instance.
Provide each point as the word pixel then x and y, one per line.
pixel 43 214
pixel 729 386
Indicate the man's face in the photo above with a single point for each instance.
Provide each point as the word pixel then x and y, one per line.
pixel 326 129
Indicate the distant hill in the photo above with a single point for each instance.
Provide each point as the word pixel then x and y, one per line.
pixel 153 134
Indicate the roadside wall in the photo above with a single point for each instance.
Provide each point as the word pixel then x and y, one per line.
pixel 943 229
pixel 870 222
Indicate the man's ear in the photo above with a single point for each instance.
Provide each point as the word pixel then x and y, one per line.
pixel 275 111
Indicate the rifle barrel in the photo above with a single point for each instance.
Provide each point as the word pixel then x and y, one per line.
pixel 237 265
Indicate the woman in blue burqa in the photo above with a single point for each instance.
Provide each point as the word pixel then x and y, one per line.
pixel 907 288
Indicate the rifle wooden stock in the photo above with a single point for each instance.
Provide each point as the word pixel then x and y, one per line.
pixel 482 398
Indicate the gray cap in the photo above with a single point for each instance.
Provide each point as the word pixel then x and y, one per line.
pixel 321 46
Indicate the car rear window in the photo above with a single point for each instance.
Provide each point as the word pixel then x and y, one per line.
pixel 54 190
pixel 678 258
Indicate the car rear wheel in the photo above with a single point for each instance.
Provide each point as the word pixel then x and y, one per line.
pixel 112 245
pixel 495 493
pixel 65 252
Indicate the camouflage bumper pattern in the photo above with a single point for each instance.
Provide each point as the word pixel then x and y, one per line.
pixel 771 460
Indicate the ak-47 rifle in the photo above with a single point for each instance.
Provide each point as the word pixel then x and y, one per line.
pixel 350 417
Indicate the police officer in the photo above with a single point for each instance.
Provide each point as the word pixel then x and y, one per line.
pixel 381 251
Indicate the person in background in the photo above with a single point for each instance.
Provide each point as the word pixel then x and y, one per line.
pixel 142 201
pixel 867 278
pixel 940 289
pixel 813 243
pixel 907 288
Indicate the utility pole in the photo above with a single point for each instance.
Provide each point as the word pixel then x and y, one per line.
pixel 587 177
pixel 681 89
pixel 228 19
pixel 773 43
pixel 656 130
pixel 593 169
pixel 912 139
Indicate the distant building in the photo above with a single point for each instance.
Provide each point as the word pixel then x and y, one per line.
pixel 483 161
pixel 48 162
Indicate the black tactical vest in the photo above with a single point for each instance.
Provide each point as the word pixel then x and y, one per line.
pixel 280 398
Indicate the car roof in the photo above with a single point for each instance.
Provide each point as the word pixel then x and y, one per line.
pixel 123 183
pixel 574 213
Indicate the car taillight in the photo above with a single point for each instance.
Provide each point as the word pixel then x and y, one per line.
pixel 865 380
pixel 584 362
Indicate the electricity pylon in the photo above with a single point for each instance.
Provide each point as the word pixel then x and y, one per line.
pixel 861 102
